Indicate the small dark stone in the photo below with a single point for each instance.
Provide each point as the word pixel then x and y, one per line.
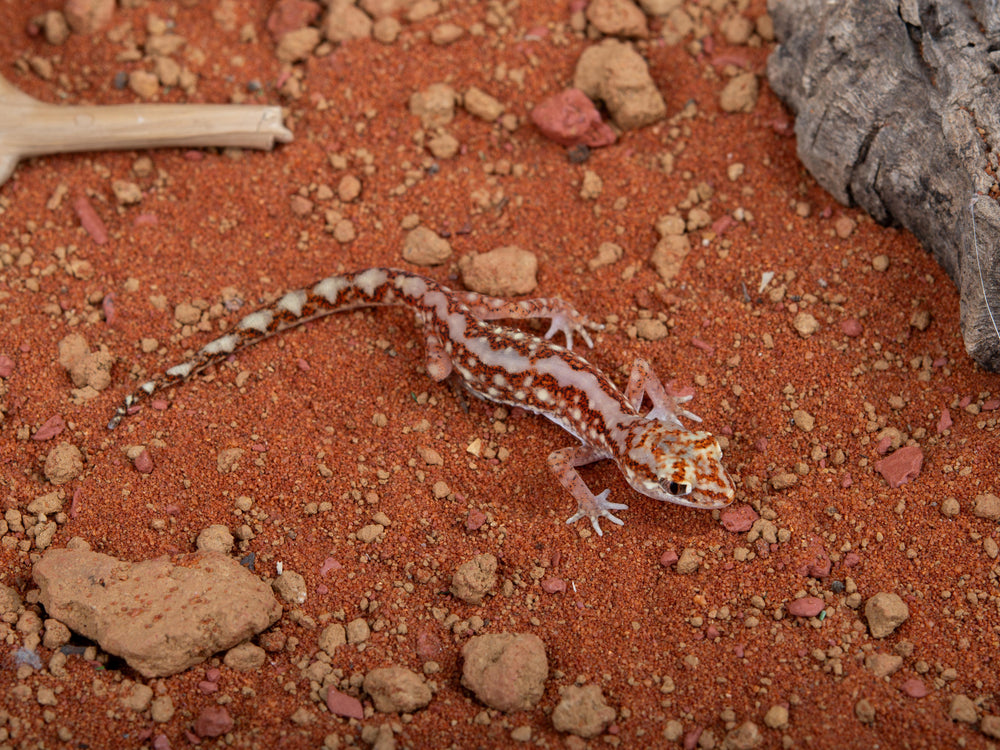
pixel 120 80
pixel 578 154
pixel 837 587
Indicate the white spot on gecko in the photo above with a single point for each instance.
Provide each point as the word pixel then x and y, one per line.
pixel 329 289
pixel 256 321
pixel 180 371
pixel 224 344
pixel 292 302
pixel 412 286
pixel 369 281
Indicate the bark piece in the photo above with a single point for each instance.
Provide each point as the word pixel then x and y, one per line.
pixel 895 112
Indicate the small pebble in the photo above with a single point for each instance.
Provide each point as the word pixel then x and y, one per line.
pixel 213 721
pixel 805 324
pixel 915 688
pixel 669 558
pixel 807 606
pixel 885 612
pixel 987 506
pixel 901 466
pixel 143 462
pixel 851 327
pixel 553 585
pixel 738 519
pixel 880 263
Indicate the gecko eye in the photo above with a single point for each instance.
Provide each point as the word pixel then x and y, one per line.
pixel 679 488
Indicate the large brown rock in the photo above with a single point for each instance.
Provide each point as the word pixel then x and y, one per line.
pixel 506 671
pixel 615 73
pixel 161 616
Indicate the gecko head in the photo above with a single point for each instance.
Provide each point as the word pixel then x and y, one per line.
pixel 676 466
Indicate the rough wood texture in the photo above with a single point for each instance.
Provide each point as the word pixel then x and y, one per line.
pixel 896 106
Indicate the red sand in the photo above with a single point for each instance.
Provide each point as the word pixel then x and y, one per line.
pixel 304 407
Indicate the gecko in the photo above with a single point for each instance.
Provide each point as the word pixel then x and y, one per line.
pixel 658 456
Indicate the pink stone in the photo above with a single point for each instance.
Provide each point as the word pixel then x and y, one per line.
pixel 52 427
pixel 901 466
pixel 475 519
pixel 143 463
pixel 429 646
pixel 553 585
pixel 807 606
pixel 341 704
pixel 329 564
pixel 817 563
pixel 851 559
pixel 290 15
pixel 669 558
pixel 945 422
pixel 915 688
pixel 90 220
pixel 738 519
pixel 6 366
pixel 724 223
pixel 213 721
pixel 571 119
pixel 851 327
pixel 698 343
pixel 692 737
pixel 74 506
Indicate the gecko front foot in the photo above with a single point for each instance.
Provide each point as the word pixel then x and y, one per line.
pixel 598 509
pixel 571 322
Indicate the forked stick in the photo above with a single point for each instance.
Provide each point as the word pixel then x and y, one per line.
pixel 29 127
